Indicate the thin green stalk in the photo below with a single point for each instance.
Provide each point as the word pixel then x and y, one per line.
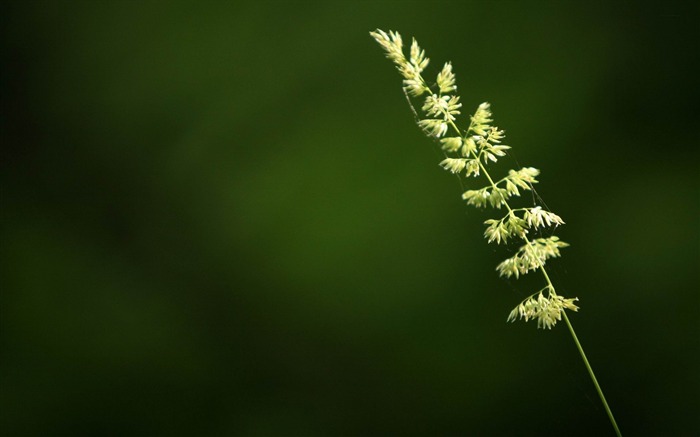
pixel 590 372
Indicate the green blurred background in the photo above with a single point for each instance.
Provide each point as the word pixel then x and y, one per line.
pixel 219 218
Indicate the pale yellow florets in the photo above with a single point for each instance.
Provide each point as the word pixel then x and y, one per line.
pixel 468 152
pixel 547 310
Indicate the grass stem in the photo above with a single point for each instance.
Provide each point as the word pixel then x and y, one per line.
pixel 590 372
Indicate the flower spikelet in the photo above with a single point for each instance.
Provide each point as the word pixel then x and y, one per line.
pixel 547 310
pixel 446 79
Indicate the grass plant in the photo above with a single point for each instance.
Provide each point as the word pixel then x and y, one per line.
pixel 468 153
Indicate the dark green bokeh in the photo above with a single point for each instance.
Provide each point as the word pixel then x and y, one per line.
pixel 219 218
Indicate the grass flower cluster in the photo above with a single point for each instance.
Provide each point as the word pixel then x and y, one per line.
pixel 469 152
